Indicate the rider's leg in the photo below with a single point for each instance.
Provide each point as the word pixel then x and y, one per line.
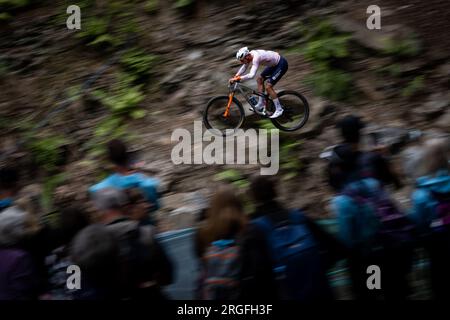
pixel 278 108
pixel 260 82
pixel 271 91
pixel 278 73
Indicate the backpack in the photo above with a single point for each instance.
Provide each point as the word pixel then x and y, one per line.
pixel 298 266
pixel 395 229
pixel 220 279
pixel 441 222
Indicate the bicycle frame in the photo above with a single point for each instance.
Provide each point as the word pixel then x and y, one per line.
pixel 238 86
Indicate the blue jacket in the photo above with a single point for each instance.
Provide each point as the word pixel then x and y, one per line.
pixel 423 204
pixel 357 224
pixel 148 185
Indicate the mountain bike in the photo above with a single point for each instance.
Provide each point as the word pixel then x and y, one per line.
pixel 223 115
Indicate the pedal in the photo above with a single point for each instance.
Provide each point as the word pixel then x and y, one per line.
pixel 262 112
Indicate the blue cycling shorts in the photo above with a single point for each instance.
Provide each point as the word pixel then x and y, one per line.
pixel 274 74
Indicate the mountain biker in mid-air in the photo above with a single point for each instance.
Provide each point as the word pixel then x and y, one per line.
pixel 276 67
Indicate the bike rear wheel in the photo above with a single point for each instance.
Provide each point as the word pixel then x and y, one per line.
pixel 296 111
pixel 214 116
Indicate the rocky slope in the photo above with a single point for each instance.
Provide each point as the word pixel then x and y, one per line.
pixel 50 78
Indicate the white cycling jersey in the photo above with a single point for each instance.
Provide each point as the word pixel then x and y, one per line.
pixel 263 57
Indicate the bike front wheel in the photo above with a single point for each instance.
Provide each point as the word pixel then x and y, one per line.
pixel 216 119
pixel 296 111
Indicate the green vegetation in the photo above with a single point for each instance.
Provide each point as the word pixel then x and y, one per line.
pixel 7 7
pixel 110 128
pixel 323 49
pixel 234 177
pixel 13 4
pixel 393 70
pixel 334 84
pixel 47 151
pixel 151 6
pixel 123 100
pixel 408 47
pixel 108 24
pixel 137 62
pixel 416 85
pixel 49 186
pixel 290 164
pixel 184 4
pixel 95 31
pixel 5 16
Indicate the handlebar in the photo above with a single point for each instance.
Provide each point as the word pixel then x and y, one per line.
pixel 233 86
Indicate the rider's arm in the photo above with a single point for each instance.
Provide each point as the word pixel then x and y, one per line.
pixel 241 70
pixel 253 70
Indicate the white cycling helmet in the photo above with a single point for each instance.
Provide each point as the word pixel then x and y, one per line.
pixel 242 53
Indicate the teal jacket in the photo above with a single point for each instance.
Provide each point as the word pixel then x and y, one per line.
pixel 357 225
pixel 148 185
pixel 423 203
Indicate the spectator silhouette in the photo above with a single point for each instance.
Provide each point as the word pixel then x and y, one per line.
pixel 145 264
pixel 301 274
pixel 431 212
pixel 17 270
pixel 226 227
pixel 371 163
pixel 125 177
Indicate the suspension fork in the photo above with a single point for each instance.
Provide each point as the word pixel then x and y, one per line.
pixel 227 110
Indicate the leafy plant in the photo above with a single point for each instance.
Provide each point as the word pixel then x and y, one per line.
pixel 110 128
pixel 13 4
pixel 413 87
pixel 95 31
pixel 316 28
pixel 288 155
pixel 290 162
pixel 47 152
pixel 137 62
pixel 182 4
pixel 123 102
pixel 393 70
pixel 108 23
pixel 49 185
pixel 151 6
pixel 331 83
pixel 5 16
pixel 325 46
pixel 124 97
pixel 408 47
pixel 232 176
pixel 325 49
pixel 265 124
